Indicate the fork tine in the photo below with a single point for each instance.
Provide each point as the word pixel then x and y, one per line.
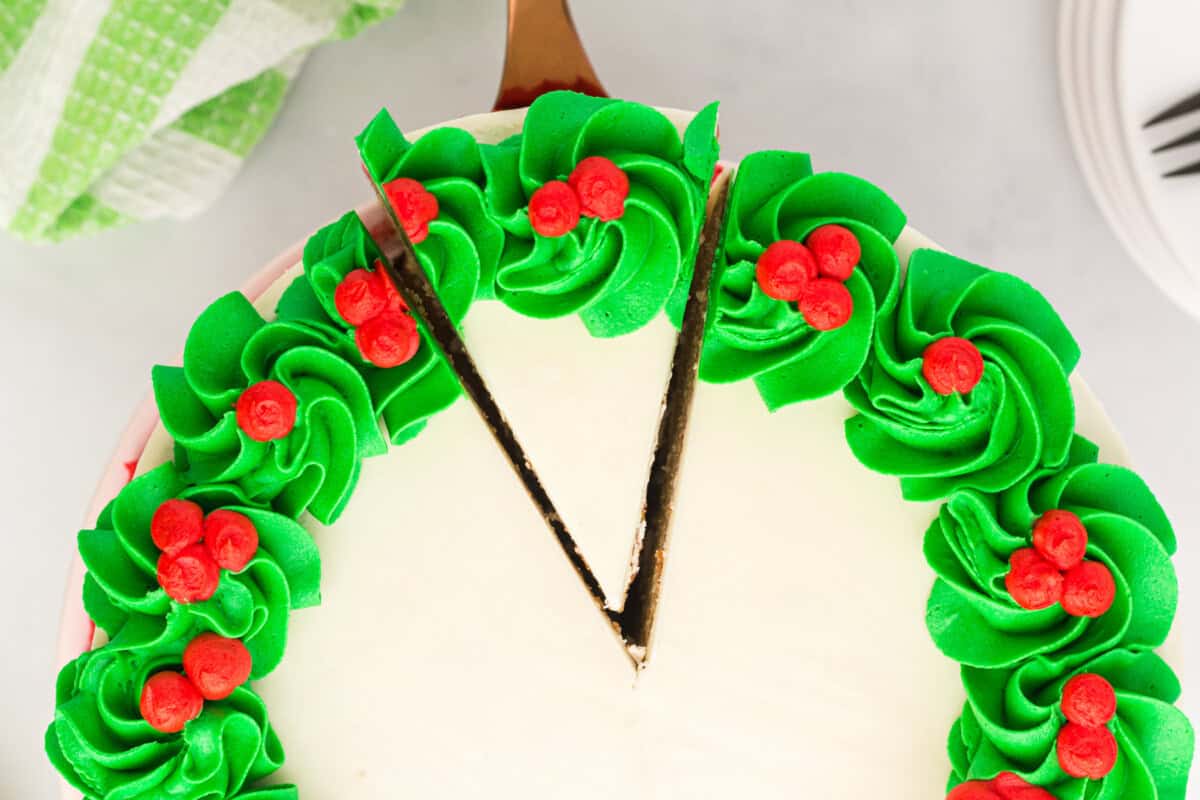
pixel 1190 169
pixel 1187 138
pixel 1185 106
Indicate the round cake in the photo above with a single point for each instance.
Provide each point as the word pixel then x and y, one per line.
pixel 873 417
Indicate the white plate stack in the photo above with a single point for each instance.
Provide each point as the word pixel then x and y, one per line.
pixel 1121 62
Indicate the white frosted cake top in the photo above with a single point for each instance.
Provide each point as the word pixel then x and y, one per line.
pixel 455 653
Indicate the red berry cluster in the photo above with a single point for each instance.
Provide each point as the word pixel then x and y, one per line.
pixel 1054 570
pixel 1005 786
pixel 213 667
pixel 1086 747
pixel 952 364
pixel 266 410
pixel 813 274
pixel 415 206
pixel 196 547
pixel 384 330
pixel 595 188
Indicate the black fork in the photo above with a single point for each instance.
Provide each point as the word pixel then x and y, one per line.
pixel 1183 107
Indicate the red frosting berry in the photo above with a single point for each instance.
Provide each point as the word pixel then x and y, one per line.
pixel 717 170
pixel 389 339
pixel 190 575
pixel 836 250
pixel 1086 752
pixel 395 302
pixel 231 539
pixel 170 701
pixel 554 209
pixel 1033 582
pixel 266 411
pixel 216 665
pixel 415 207
pixel 360 296
pixel 602 187
pixel 952 364
pixel 1061 538
pixel 1011 786
pixel 974 790
pixel 1005 786
pixel 1088 699
pixel 1088 590
pixel 826 304
pixel 175 525
pixel 785 269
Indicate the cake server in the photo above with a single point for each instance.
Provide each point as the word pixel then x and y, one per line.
pixel 543 53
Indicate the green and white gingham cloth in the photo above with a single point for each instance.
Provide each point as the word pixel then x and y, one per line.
pixel 113 111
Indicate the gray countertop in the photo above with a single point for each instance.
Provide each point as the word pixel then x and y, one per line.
pixel 950 105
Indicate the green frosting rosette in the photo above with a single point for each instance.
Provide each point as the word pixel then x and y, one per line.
pixel 1019 417
pixel 409 394
pixel 751 335
pixel 121 591
pixel 462 249
pixel 316 465
pixel 103 747
pixel 617 275
pixel 1012 719
pixel 972 617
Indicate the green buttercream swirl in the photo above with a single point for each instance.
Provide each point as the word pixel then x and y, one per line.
pixel 971 615
pixel 1021 415
pixel 776 196
pixel 121 591
pixel 409 394
pixel 617 275
pixel 103 747
pixel 462 249
pixel 316 466
pixel 1012 718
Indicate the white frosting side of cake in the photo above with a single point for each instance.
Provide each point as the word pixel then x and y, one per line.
pixel 456 655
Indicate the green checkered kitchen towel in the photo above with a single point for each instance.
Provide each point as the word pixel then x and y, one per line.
pixel 113 111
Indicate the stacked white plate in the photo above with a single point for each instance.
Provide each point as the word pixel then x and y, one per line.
pixel 1121 62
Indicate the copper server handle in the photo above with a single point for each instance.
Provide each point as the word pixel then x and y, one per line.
pixel 543 53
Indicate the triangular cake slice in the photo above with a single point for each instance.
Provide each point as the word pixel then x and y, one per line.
pixel 621 280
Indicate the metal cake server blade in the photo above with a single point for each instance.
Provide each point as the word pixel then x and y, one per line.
pixel 543 53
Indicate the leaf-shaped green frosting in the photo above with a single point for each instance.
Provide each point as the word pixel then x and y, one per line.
pixel 971 615
pixel 121 591
pixel 1021 415
pixel 463 247
pixel 106 750
pixel 776 196
pixel 408 395
pixel 1012 719
pixel 314 467
pixel 617 275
